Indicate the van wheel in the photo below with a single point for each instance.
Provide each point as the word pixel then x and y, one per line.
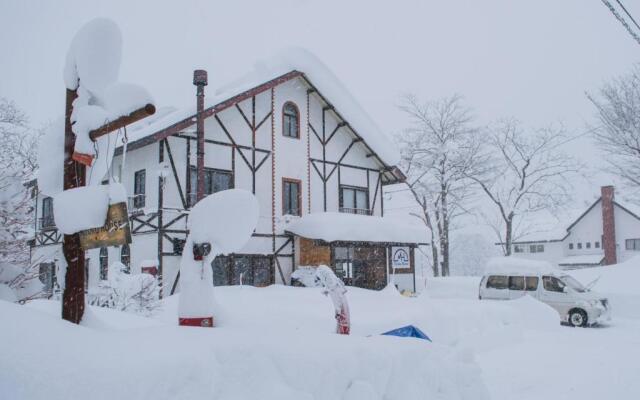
pixel 578 317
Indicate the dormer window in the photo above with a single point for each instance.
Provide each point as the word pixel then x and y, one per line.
pixel 290 120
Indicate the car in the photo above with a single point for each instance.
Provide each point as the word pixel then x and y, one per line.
pixel 576 304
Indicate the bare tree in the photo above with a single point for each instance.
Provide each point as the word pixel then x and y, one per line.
pixel 528 173
pixel 440 151
pixel 18 162
pixel 618 133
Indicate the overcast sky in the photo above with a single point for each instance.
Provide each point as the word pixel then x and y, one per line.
pixel 532 60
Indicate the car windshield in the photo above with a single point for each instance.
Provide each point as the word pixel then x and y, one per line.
pixel 573 284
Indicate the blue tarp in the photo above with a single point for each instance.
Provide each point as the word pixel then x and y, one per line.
pixel 408 331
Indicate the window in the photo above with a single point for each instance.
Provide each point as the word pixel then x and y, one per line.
pixel 588 245
pixel 570 246
pixel 518 249
pixel 125 257
pixel 552 284
pixel 139 188
pixel 536 248
pixel 290 120
pixel 343 261
pixel 215 180
pixel 245 270
pixel 516 283
pixel 354 200
pixel 498 282
pixel 579 246
pixel 597 245
pixel 104 263
pixel 632 244
pixel 47 213
pixel 291 197
pixel 531 283
pixel 47 275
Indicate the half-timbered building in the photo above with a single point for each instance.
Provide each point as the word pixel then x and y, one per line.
pixel 292 135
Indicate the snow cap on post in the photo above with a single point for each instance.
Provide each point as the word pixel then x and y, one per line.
pixel 94 56
pixel 225 219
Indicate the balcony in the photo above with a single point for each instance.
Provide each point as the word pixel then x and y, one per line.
pixel 135 202
pixel 46 223
pixel 359 211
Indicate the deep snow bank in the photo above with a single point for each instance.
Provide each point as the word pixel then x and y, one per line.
pixel 619 282
pixel 169 362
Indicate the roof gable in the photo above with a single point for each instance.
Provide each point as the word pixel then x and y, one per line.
pixel 290 65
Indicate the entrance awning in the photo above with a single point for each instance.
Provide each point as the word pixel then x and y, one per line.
pixel 343 227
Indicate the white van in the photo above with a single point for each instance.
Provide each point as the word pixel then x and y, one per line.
pixel 576 304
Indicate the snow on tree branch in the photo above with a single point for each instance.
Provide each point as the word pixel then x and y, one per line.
pixel 441 148
pixel 527 172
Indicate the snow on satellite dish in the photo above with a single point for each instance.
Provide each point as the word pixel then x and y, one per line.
pixel 225 219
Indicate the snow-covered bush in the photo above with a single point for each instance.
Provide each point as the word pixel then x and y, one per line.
pixel 137 293
pixel 19 283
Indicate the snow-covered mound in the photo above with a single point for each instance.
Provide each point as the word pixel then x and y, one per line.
pixel 171 362
pixel 619 282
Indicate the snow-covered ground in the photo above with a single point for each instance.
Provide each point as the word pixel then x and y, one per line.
pixel 566 363
pixel 278 342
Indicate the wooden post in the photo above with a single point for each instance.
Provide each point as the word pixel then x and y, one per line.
pixel 74 176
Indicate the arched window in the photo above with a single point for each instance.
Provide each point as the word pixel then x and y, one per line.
pixel 104 263
pixel 125 257
pixel 290 120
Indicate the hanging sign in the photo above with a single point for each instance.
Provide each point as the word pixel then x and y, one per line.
pixel 115 232
pixel 400 258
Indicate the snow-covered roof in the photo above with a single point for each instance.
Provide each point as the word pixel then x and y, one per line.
pixel 290 63
pixel 553 228
pixel 631 208
pixel 333 226
pixel 587 259
pixel 516 265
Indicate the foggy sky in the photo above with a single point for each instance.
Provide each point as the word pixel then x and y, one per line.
pixel 532 60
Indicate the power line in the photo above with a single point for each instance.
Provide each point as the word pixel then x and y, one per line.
pixel 621 19
pixel 628 14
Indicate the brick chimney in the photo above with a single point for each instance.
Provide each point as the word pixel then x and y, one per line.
pixel 608 225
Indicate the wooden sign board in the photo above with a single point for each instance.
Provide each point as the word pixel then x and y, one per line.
pixel 115 232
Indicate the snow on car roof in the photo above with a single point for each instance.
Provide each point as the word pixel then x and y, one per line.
pixel 517 266
pixel 318 75
pixel 333 226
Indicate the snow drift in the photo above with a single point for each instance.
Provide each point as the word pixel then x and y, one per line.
pixel 170 362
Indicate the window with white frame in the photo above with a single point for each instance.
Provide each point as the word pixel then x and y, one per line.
pixel 632 244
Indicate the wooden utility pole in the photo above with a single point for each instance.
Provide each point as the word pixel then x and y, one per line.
pixel 74 177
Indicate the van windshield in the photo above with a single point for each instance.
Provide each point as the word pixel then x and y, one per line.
pixel 573 284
